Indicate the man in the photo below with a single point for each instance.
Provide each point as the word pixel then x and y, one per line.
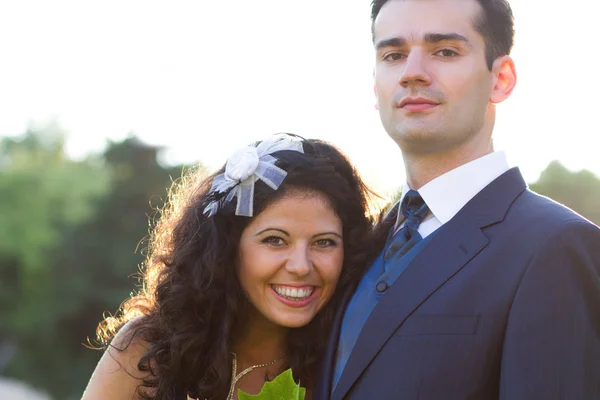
pixel 486 290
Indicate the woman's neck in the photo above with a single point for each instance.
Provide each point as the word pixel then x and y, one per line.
pixel 258 341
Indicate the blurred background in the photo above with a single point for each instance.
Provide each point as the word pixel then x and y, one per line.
pixel 103 103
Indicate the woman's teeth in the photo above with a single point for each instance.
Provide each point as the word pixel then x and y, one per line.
pixel 293 293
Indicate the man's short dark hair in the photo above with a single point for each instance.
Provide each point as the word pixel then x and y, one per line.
pixel 495 23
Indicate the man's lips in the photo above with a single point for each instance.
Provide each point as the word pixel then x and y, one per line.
pixel 417 104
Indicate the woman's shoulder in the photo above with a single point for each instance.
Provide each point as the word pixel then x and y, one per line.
pixel 117 375
pixel 128 339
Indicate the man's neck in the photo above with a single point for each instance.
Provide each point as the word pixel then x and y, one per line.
pixel 424 167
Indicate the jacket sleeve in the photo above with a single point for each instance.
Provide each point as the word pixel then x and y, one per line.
pixel 552 341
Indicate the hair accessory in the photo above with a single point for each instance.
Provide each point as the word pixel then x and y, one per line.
pixel 244 168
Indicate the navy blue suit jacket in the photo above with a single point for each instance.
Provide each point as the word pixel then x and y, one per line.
pixel 502 303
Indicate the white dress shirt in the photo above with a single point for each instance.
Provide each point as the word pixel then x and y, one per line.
pixel 448 193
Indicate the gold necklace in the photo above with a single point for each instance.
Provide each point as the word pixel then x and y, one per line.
pixel 235 378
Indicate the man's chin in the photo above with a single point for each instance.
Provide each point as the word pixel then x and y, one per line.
pixel 414 133
pixel 419 140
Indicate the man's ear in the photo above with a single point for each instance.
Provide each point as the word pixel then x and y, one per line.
pixel 504 79
pixel 376 99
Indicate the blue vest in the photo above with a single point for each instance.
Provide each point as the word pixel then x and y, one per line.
pixel 374 284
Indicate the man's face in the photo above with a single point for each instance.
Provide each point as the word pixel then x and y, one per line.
pixel 432 83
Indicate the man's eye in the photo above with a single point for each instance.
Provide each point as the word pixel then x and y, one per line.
pixel 394 57
pixel 447 53
pixel 274 240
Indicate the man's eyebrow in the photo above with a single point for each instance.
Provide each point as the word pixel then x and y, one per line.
pixel 445 37
pixel 392 42
pixel 427 38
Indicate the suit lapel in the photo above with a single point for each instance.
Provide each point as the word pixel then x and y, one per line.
pixel 452 247
pixel 428 271
pixel 328 358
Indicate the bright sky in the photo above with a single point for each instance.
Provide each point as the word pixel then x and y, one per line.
pixel 206 77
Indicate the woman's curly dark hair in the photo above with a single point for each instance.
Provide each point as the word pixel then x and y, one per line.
pixel 191 298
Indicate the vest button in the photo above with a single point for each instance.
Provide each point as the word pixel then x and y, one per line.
pixel 381 287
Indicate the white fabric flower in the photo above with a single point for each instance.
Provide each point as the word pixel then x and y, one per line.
pixel 245 167
pixel 242 164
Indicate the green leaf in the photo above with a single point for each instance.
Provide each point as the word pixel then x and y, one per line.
pixel 283 387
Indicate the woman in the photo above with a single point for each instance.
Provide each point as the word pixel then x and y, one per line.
pixel 243 275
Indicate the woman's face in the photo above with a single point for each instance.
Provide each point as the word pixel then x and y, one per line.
pixel 290 258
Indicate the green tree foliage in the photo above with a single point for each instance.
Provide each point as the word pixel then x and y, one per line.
pixel 42 194
pixel 579 191
pixel 68 238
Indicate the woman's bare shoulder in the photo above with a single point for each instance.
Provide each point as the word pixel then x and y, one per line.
pixel 117 375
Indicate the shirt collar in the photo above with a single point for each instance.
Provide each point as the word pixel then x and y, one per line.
pixel 448 193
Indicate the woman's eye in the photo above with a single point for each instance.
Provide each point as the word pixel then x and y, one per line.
pixel 274 240
pixel 326 243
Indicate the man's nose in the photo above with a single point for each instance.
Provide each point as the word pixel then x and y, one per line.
pixel 415 69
